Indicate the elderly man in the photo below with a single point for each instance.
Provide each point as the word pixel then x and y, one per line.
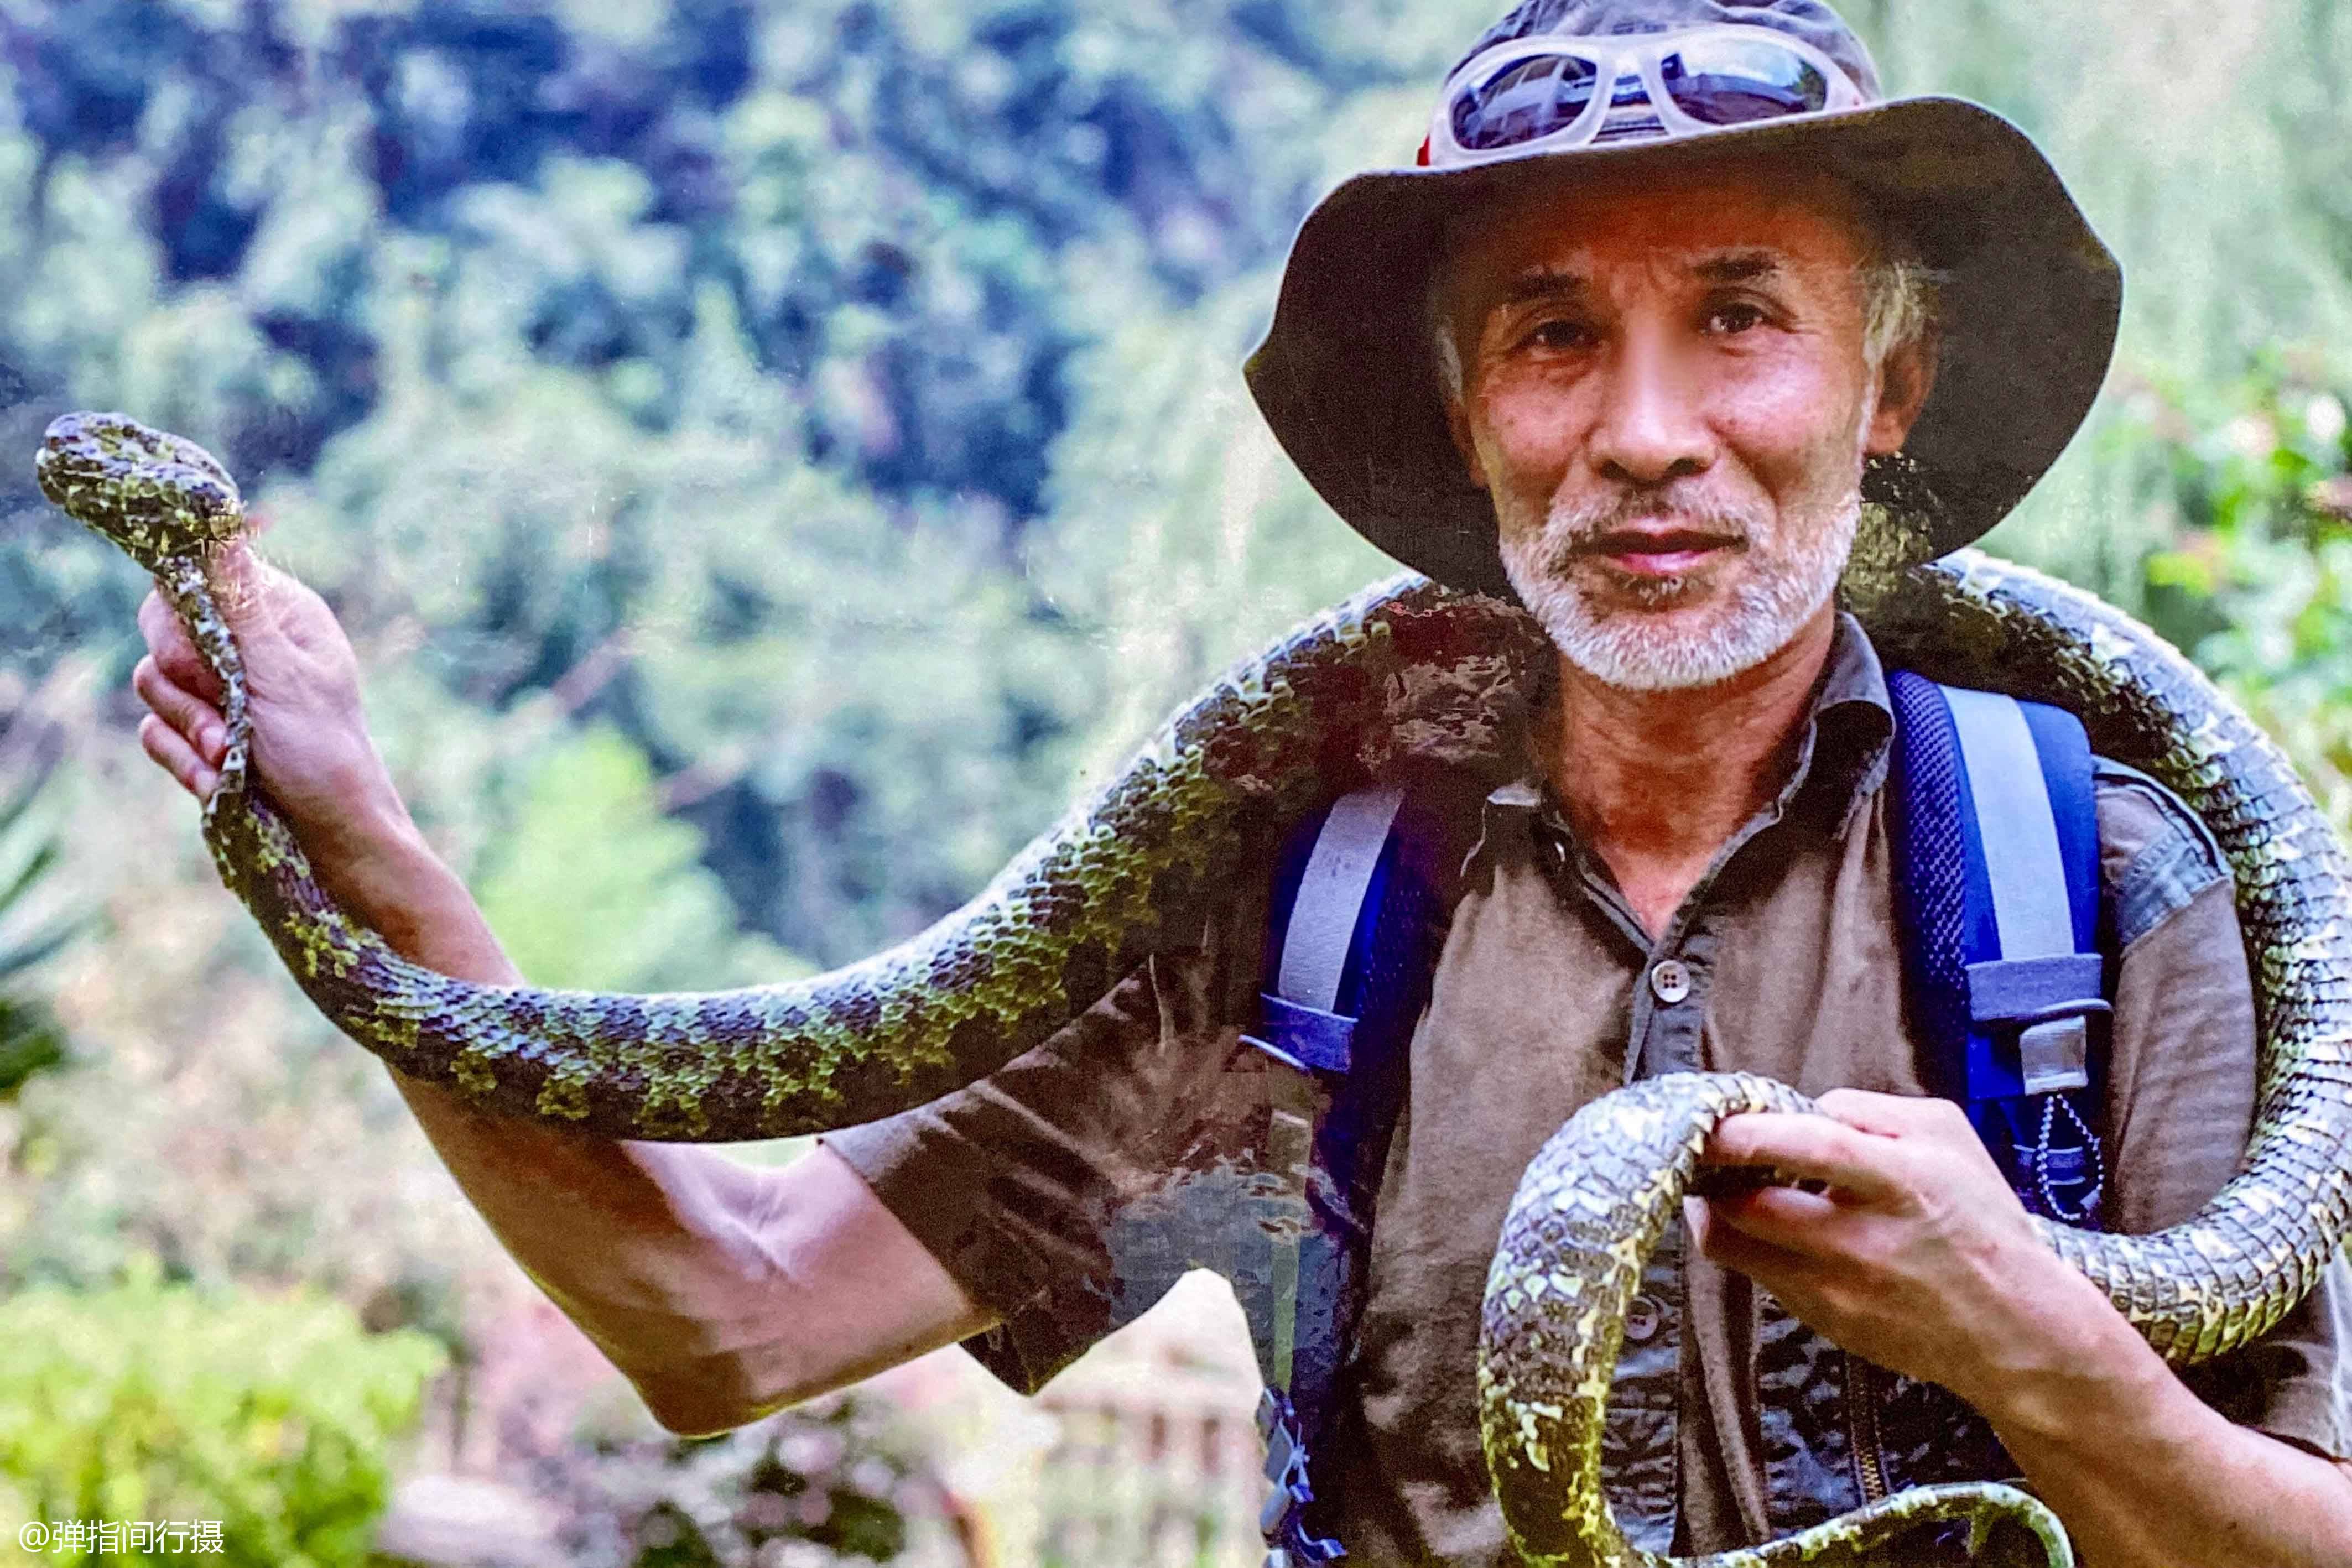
pixel 1674 291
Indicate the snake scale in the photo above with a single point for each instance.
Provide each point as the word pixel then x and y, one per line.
pixel 1403 670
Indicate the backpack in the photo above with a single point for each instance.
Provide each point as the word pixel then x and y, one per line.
pixel 1996 904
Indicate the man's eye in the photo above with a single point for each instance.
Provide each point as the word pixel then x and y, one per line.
pixel 1561 334
pixel 1734 318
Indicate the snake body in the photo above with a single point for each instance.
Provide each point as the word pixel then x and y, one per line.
pixel 1587 1212
pixel 1404 671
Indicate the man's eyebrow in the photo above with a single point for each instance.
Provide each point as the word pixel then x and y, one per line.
pixel 1545 283
pixel 1737 266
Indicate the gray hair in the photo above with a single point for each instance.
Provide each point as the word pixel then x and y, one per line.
pixel 1902 303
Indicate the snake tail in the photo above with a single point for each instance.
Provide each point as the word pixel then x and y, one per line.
pixel 1587 1216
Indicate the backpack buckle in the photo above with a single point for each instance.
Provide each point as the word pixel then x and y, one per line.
pixel 1283 1519
pixel 2049 1001
pixel 1308 1039
pixel 2054 1055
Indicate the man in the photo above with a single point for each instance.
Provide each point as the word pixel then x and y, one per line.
pixel 1630 365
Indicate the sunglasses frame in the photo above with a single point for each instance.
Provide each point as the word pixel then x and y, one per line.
pixel 1610 57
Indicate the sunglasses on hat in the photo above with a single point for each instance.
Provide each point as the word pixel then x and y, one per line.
pixel 1547 93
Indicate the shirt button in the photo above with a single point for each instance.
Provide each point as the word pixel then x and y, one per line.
pixel 1642 1320
pixel 1671 980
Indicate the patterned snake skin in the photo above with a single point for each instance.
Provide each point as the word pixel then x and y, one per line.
pixel 1405 670
pixel 1587 1213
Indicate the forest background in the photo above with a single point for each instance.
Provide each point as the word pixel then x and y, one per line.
pixel 772 456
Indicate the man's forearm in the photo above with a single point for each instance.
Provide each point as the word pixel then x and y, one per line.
pixel 2145 1475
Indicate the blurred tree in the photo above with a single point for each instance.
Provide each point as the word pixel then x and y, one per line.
pixel 271 1418
pixel 2207 145
pixel 2257 580
pixel 595 890
pixel 837 1481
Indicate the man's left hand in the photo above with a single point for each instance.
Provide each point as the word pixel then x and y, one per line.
pixel 1917 1256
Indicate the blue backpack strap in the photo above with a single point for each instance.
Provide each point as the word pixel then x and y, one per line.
pixel 1334 895
pixel 1361 895
pixel 1997 892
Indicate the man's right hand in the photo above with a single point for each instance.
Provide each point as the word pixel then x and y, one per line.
pixel 310 748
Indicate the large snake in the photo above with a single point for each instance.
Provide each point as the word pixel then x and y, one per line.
pixel 1405 670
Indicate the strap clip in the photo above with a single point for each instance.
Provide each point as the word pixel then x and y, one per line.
pixel 1283 1521
pixel 2054 1055
pixel 2049 1001
pixel 1308 1039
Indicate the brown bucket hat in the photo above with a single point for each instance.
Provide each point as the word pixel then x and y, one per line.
pixel 2029 302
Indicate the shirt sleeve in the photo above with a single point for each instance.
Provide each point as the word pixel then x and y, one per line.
pixel 1054 1190
pixel 2181 1096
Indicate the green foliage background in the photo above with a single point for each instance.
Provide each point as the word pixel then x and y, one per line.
pixel 838 401
pixel 773 454
pixel 150 1402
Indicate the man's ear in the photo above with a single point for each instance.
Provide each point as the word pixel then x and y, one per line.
pixel 1905 377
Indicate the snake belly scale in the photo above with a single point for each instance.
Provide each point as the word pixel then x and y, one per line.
pixel 1404 669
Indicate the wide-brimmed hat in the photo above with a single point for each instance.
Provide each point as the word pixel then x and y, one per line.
pixel 2026 311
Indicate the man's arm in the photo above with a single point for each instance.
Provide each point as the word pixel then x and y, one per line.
pixel 1920 1259
pixel 2143 1471
pixel 719 1291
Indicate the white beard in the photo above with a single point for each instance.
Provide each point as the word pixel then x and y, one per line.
pixel 1780 589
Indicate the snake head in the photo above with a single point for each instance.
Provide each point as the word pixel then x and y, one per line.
pixel 155 495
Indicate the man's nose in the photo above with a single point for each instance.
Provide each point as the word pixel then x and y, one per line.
pixel 1652 426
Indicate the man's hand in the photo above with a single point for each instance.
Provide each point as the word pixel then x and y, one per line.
pixel 310 748
pixel 302 682
pixel 1917 1257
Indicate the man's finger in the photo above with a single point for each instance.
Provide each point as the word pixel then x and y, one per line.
pixel 1889 1115
pixel 1807 1146
pixel 250 592
pixel 1719 1239
pixel 237 577
pixel 173 754
pixel 1802 1224
pixel 196 721
pixel 174 651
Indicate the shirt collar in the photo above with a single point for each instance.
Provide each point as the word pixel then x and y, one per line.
pixel 1850 732
pixel 1842 752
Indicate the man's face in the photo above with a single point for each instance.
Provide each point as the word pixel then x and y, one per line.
pixel 1666 395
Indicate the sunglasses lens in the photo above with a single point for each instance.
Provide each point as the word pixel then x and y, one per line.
pixel 1523 101
pixel 1730 81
